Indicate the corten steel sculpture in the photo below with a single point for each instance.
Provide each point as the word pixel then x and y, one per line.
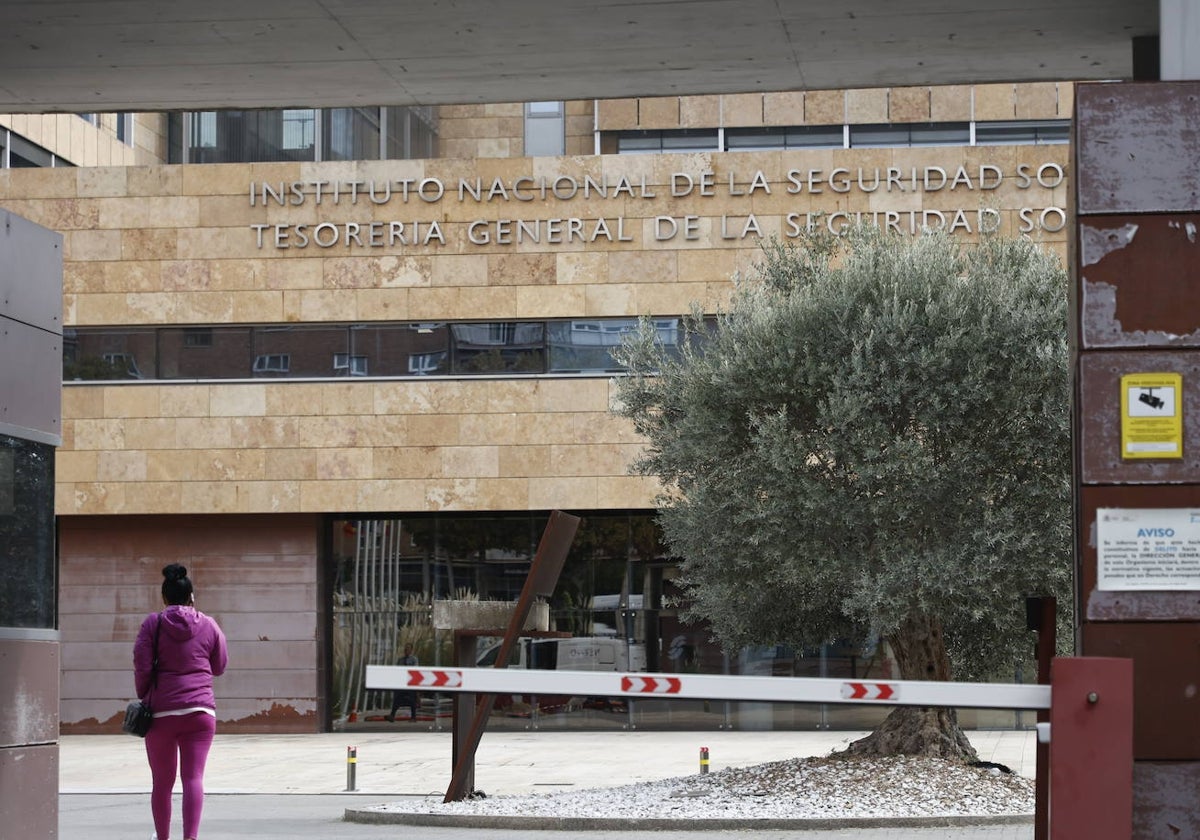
pixel 543 577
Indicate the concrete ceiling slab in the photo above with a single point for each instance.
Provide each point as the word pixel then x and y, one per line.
pixel 146 55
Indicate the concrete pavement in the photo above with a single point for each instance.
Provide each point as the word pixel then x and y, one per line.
pixel 292 787
pixel 418 763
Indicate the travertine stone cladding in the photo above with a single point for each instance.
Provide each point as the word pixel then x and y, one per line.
pixel 448 239
pixel 949 103
pixel 498 130
pixel 442 240
pixel 306 447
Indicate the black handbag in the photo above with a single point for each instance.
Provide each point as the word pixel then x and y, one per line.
pixel 138 718
pixel 138 714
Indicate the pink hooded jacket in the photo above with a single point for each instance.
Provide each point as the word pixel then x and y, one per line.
pixel 191 651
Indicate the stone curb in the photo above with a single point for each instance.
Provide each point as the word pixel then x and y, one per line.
pixel 376 817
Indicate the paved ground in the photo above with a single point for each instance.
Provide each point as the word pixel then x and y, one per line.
pixel 293 786
pixel 292 817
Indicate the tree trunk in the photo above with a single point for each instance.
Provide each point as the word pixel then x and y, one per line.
pixel 920 652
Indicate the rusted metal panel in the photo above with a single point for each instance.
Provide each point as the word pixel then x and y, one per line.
pixel 1129 606
pixel 1137 148
pixel 1139 277
pixel 1166 800
pixel 1166 689
pixel 1099 418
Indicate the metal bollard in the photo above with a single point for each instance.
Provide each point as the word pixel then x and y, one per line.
pixel 703 760
pixel 351 766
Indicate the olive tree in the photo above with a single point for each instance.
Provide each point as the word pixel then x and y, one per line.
pixel 872 441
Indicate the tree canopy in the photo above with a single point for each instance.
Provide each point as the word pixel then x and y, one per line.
pixel 873 440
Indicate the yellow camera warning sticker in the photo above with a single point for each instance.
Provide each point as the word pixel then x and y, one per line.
pixel 1152 415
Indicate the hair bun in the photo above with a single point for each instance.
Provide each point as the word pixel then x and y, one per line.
pixel 174 572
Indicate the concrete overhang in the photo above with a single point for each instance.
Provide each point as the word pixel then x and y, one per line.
pixel 146 55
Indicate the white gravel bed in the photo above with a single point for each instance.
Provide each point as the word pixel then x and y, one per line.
pixel 802 788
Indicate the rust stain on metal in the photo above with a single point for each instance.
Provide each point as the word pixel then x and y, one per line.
pixel 1142 606
pixel 1140 279
pixel 1166 697
pixel 1136 149
pixel 1166 800
pixel 279 718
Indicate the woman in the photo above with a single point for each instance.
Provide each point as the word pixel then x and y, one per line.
pixel 190 650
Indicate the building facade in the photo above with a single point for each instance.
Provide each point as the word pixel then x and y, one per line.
pixel 338 389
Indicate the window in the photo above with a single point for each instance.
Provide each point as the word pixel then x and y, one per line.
pixel 125 128
pixel 801 137
pixel 25 155
pixel 586 346
pixel 272 363
pixel 1010 132
pixel 545 129
pixel 123 362
pixel 90 119
pixel 350 134
pixel 302 134
pixel 915 134
pixel 204 130
pixel 198 337
pixel 354 365
pixel 299 129
pixel 423 364
pixel 411 133
pixel 670 141
pixel 334 350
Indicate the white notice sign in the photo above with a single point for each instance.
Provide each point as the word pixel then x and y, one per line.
pixel 1148 549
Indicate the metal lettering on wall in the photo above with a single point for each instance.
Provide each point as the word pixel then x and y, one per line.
pixel 815 187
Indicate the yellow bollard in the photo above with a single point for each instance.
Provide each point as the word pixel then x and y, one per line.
pixel 351 767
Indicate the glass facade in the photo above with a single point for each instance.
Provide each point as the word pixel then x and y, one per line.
pixel 316 351
pixel 302 134
pixel 916 134
pixel 865 136
pixel 27 558
pixel 617 607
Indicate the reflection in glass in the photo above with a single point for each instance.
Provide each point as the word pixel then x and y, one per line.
pixel 258 135
pixel 27 598
pixel 586 345
pixel 617 606
pixel 351 134
pixel 290 134
pixel 498 347
pixel 109 354
pixel 326 351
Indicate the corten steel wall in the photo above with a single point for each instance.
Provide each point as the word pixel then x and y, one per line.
pixel 256 575
pixel 1137 266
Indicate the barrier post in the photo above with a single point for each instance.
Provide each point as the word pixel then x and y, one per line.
pixel 1091 748
pixel 703 760
pixel 351 767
